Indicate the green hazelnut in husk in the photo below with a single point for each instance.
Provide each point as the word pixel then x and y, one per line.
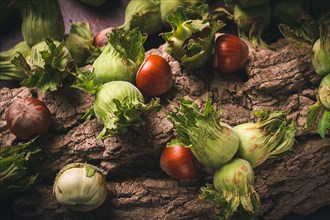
pixel 144 15
pixel 167 7
pixel 79 42
pixel 324 92
pixel 212 142
pixel 121 57
pixel 192 37
pixel 233 192
pixel 119 105
pixel 321 58
pixel 80 187
pixel 271 135
pixel 41 19
pixel 321 48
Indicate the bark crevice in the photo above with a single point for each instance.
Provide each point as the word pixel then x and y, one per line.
pixel 281 79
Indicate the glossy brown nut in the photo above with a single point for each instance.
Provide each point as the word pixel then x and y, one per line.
pixel 177 161
pixel 28 118
pixel 230 53
pixel 154 76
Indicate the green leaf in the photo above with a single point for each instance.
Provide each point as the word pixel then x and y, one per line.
pixel 230 206
pixel 175 142
pixel 90 170
pixel 324 123
pixel 43 80
pixel 304 33
pixel 86 81
pixel 126 115
pixel 90 112
pixel 312 114
pixel 293 37
pixel 209 193
pixel 95 53
pixel 49 63
pixel 18 168
pixel 20 62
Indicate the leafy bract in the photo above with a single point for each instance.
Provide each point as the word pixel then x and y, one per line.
pixel 119 105
pixel 122 57
pixel 167 7
pixel 212 142
pixel 80 42
pixel 17 168
pixel 270 136
pixel 233 192
pixel 191 40
pixel 48 64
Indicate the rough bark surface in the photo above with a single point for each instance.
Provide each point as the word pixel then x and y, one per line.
pixel 281 79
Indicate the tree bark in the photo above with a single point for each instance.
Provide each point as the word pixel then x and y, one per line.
pixel 281 79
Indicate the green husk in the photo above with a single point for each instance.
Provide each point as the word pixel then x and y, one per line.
pixel 144 15
pixel 18 168
pixel 212 142
pixel 122 56
pixel 324 92
pixel 233 192
pixel 270 136
pixel 191 40
pixel 80 187
pixel 320 111
pixel 321 48
pixel 167 7
pixel 80 42
pixel 46 67
pixel 119 105
pixel 86 81
pixel 9 71
pixel 252 22
pixel 41 19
